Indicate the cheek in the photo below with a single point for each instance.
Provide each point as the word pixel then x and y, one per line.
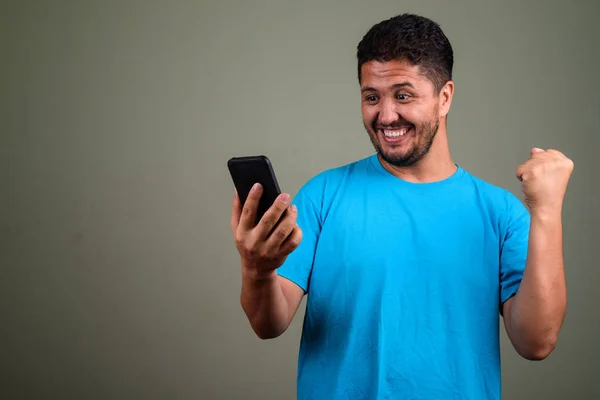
pixel 368 113
pixel 421 115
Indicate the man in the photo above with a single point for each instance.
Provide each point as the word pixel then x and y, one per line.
pixel 408 259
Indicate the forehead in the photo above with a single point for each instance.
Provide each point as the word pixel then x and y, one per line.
pixel 381 75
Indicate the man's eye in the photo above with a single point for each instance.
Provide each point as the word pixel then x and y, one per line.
pixel 371 98
pixel 402 96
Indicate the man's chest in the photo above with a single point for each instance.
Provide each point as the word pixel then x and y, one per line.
pixel 408 244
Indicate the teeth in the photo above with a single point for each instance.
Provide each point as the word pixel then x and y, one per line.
pixel 395 133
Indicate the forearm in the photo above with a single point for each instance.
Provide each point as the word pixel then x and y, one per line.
pixel 539 307
pixel 265 304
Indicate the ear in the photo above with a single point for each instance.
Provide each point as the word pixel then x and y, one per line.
pixel 445 98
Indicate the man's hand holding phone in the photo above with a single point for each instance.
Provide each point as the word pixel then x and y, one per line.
pixel 264 246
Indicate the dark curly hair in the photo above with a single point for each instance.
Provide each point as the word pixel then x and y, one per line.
pixel 410 37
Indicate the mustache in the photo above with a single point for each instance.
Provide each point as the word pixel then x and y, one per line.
pixel 398 124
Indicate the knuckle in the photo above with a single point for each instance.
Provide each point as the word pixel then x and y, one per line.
pixel 569 163
pixel 266 254
pixel 267 223
pixel 247 211
pixel 252 252
pixel 282 233
pixel 262 253
pixel 239 240
pixel 248 247
pixel 279 206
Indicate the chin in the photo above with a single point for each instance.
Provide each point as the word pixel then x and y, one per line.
pixel 401 154
pixel 400 161
pixel 403 157
pixel 398 157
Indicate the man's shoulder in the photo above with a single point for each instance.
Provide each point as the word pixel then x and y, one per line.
pixel 501 199
pixel 333 177
pixel 486 186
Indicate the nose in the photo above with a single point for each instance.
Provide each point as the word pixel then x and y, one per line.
pixel 388 113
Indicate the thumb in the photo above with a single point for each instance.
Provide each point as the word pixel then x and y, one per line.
pixel 537 150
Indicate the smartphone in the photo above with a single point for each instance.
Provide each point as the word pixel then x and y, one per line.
pixel 246 171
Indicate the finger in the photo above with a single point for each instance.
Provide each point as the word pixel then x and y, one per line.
pixel 555 152
pixel 520 171
pixel 272 216
pixel 284 229
pixel 248 217
pixel 536 150
pixel 292 242
pixel 236 211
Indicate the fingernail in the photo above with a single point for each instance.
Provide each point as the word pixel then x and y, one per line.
pixel 285 197
pixel 255 187
pixel 293 207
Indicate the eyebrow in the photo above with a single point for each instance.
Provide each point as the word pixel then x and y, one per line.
pixel 395 86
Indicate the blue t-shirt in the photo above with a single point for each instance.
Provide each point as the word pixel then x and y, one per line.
pixel 404 283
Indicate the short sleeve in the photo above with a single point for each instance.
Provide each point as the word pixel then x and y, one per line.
pixel 513 255
pixel 298 265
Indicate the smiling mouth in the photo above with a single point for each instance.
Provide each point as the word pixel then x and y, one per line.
pixel 396 133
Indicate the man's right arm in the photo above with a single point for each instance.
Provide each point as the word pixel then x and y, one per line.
pixel 270 303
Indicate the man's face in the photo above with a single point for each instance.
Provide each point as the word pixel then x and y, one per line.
pixel 400 110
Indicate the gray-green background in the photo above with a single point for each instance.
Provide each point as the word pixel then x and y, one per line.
pixel 119 277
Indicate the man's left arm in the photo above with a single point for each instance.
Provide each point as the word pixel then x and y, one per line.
pixel 534 316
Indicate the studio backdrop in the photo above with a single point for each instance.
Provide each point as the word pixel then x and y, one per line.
pixel 119 277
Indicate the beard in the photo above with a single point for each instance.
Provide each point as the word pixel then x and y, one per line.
pixel 423 137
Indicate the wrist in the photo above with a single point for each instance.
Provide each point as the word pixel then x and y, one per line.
pixel 256 274
pixel 546 213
